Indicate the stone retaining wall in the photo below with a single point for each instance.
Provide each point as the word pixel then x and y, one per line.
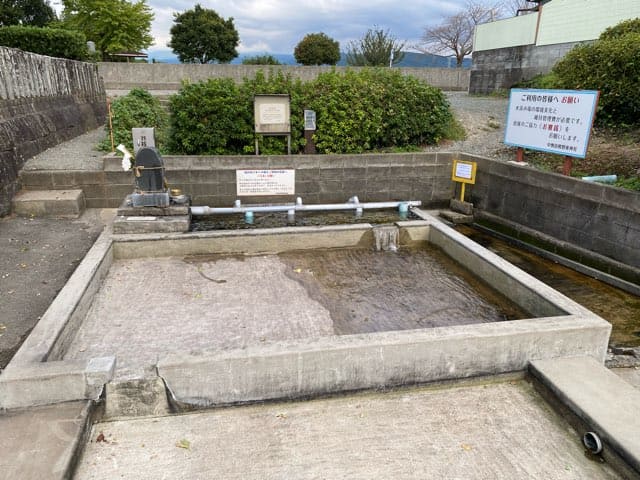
pixel 43 101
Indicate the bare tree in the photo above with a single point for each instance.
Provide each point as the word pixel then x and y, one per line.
pixel 519 7
pixel 455 33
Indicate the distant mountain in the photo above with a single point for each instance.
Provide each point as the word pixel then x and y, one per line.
pixel 411 59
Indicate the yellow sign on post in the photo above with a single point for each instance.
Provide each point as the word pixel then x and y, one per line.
pixel 463 172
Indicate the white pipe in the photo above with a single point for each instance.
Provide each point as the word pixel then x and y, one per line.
pixel 300 208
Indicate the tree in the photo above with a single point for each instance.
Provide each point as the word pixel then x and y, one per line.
pixel 113 25
pixel 376 49
pixel 202 36
pixel 513 8
pixel 455 33
pixel 261 60
pixel 317 49
pixel 35 13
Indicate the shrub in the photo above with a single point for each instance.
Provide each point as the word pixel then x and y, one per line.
pixel 211 118
pixel 356 112
pixel 53 42
pixel 611 66
pixel 374 109
pixel 621 29
pixel 136 109
pixel 543 81
pixel 261 60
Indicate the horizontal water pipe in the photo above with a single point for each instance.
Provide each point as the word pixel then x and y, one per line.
pixel 601 178
pixel 300 207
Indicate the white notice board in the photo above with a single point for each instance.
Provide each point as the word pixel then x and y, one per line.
pixel 265 182
pixel 555 121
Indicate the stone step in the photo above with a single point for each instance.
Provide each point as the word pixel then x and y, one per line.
pixel 49 203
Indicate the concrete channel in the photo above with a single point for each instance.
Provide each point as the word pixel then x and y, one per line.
pixel 53 367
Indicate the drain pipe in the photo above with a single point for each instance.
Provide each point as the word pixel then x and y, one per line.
pixel 300 207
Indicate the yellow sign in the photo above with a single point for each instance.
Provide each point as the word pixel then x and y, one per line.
pixel 463 172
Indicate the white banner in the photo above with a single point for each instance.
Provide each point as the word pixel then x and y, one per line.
pixel 555 121
pixel 265 182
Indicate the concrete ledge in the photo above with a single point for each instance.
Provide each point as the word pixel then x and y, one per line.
pixel 605 402
pixel 54 382
pixel 49 203
pixel 272 240
pixel 385 359
pixel 151 224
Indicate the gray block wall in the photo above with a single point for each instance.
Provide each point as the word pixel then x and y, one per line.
pixel 599 218
pixel 500 68
pixel 211 181
pixel 164 76
pixel 43 101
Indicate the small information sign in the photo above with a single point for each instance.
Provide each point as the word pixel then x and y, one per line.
pixel 555 121
pixel 272 114
pixel 265 182
pixel 464 172
pixel 309 120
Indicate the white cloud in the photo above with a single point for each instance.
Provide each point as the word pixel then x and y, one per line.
pixel 276 26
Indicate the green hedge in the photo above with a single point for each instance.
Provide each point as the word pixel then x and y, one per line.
pixel 611 66
pixel 136 109
pixel 356 112
pixel 53 42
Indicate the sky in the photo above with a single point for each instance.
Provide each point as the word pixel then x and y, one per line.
pixel 276 26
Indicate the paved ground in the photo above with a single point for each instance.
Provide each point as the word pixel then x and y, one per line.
pixel 37 257
pixel 501 430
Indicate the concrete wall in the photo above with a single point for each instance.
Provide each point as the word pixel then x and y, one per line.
pixel 499 69
pixel 43 101
pixel 319 178
pixel 597 218
pixel 164 76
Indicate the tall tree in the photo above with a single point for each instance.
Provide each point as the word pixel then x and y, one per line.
pixel 317 49
pixel 378 48
pixel 202 36
pixel 113 25
pixel 35 13
pixel 455 33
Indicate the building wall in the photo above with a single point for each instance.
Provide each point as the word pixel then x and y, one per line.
pixel 564 21
pixel 508 32
pixel 164 76
pixel 43 101
pixel 532 44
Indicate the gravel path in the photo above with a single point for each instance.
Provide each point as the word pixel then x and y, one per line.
pixel 483 118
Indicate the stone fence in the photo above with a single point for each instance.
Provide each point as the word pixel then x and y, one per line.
pixel 43 101
pixel 165 76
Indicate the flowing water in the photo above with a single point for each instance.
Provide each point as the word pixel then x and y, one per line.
pixel 618 307
pixel 370 291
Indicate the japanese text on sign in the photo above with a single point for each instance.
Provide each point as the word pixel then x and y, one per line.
pixel 265 182
pixel 556 121
pixel 464 172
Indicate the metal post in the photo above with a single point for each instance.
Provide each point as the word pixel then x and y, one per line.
pixel 568 164
pixel 520 155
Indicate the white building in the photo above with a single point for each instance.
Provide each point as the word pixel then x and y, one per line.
pixel 507 51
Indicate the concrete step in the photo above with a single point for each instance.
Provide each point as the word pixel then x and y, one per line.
pixel 49 203
pixel 608 405
pixel 43 442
